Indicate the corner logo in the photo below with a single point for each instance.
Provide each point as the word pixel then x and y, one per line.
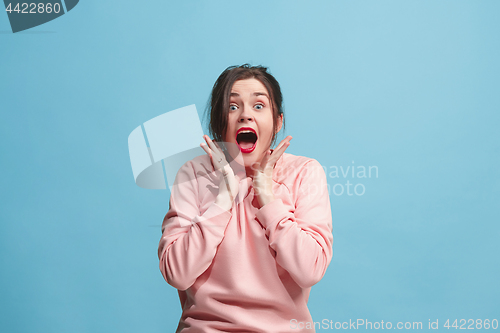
pixel 26 15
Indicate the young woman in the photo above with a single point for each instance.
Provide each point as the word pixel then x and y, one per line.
pixel 249 230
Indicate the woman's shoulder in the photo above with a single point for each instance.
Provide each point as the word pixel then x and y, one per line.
pixel 194 168
pixel 200 161
pixel 296 160
pixel 290 167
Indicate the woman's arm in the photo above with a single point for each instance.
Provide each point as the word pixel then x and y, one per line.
pixel 302 239
pixel 189 240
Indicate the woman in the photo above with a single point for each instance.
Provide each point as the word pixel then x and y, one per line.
pixel 249 230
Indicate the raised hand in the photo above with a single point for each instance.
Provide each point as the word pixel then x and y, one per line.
pixel 229 184
pixel 263 172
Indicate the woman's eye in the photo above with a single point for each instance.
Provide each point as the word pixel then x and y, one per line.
pixel 233 107
pixel 259 106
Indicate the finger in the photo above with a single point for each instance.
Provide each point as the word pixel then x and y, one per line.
pixel 217 145
pixel 287 139
pixel 278 152
pixel 206 149
pixel 215 152
pixel 265 160
pixel 237 178
pixel 283 143
pixel 209 153
pixel 220 151
pixel 216 160
pixel 210 143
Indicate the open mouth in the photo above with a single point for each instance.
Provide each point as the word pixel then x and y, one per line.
pixel 246 138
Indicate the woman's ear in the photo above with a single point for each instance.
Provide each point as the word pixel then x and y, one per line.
pixel 280 123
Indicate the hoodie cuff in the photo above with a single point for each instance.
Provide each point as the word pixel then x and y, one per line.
pixel 272 213
pixel 214 216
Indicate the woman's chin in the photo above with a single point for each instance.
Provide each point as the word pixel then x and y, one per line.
pixel 248 159
pixel 251 158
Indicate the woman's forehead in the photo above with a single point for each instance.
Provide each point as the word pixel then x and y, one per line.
pixel 252 87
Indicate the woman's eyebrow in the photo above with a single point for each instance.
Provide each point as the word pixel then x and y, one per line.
pixel 260 93
pixel 234 94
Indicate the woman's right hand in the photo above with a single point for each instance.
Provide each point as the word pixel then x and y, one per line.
pixel 229 184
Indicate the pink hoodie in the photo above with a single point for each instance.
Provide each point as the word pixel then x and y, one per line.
pixel 250 269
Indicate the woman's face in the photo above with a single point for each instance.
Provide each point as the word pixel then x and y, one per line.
pixel 250 120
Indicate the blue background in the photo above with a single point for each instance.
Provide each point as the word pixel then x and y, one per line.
pixel 411 87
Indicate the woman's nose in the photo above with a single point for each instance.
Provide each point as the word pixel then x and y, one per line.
pixel 245 118
pixel 245 115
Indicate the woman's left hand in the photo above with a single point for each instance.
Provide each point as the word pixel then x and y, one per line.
pixel 263 172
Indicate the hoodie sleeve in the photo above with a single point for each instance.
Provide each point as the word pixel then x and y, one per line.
pixel 189 238
pixel 302 238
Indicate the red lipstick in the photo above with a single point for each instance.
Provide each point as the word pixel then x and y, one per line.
pixel 247 140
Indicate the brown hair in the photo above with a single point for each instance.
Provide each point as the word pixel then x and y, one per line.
pixel 218 103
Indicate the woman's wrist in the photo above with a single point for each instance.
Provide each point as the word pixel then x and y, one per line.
pixel 224 202
pixel 226 170
pixel 264 200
